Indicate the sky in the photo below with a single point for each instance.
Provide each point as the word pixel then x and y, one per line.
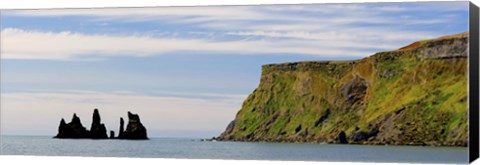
pixel 184 70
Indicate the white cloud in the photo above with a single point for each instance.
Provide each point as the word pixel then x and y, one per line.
pixel 40 112
pixel 324 31
pixel 392 8
pixel 348 38
pixel 194 14
pixel 21 44
pixel 318 14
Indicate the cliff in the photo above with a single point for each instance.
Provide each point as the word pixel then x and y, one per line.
pixel 416 95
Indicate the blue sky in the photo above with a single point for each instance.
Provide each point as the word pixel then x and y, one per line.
pixel 204 59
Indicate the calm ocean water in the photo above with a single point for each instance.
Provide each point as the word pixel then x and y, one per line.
pixel 194 148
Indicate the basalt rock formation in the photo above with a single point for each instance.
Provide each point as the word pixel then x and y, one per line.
pixel 135 129
pixel 98 130
pixel 75 129
pixel 112 134
pixel 416 95
pixel 120 131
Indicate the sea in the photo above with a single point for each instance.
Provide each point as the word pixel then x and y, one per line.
pixel 187 148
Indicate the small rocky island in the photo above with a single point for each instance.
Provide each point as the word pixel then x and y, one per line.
pixel 75 130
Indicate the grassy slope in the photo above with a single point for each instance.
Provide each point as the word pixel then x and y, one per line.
pixel 396 97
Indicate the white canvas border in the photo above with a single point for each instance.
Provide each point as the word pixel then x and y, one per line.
pixel 44 4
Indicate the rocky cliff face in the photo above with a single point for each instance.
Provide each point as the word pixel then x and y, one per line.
pixel 416 95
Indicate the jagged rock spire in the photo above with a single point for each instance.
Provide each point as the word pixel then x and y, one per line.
pixel 121 130
pixel 76 119
pixel 75 130
pixel 96 117
pixel 98 130
pixel 135 129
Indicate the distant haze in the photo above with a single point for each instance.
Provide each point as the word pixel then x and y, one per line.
pixel 184 70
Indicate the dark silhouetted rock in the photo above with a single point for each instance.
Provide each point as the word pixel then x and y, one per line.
pixel 64 130
pixel 135 129
pixel 74 129
pixel 358 136
pixel 98 130
pixel 342 138
pixel 121 131
pixel 112 134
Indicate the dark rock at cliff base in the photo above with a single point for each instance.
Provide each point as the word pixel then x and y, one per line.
pixel 342 138
pixel 359 137
pixel 135 129
pixel 74 129
pixel 98 130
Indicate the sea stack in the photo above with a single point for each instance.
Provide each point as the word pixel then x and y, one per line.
pixel 74 129
pixel 112 134
pixel 121 130
pixel 135 129
pixel 98 130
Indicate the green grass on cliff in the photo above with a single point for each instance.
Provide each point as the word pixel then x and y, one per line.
pixel 400 97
